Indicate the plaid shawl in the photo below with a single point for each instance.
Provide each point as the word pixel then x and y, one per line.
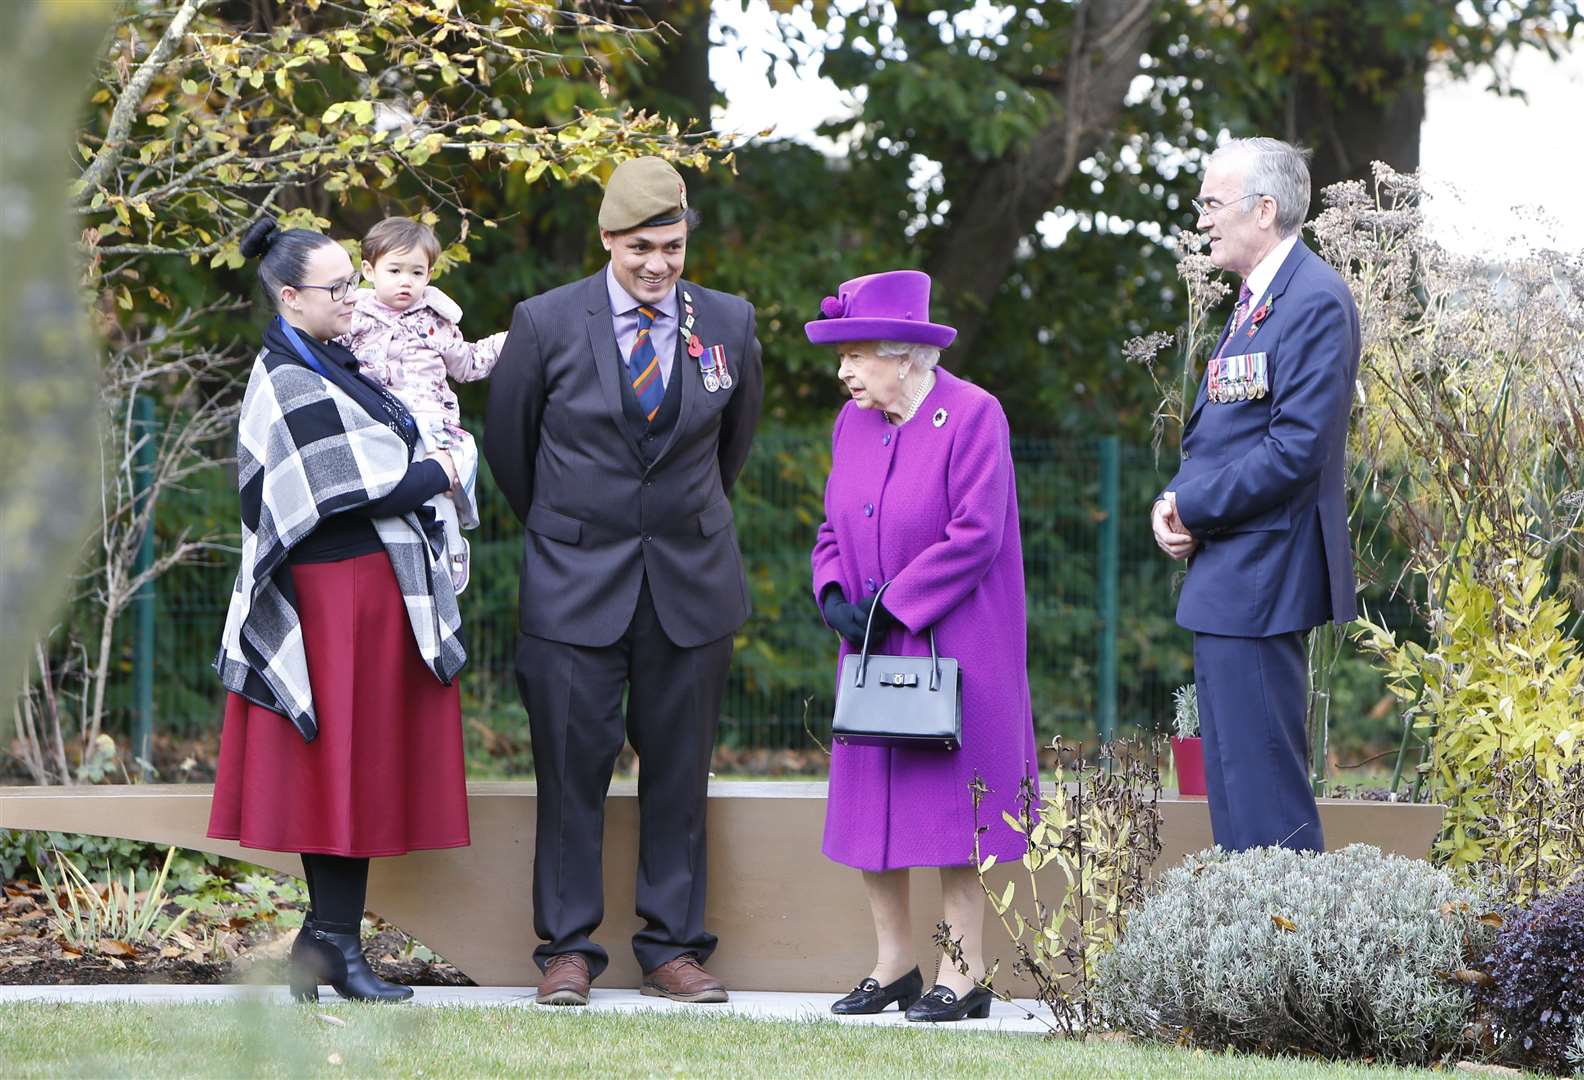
pixel 307 450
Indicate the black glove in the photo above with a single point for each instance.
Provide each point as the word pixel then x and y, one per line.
pixel 883 619
pixel 844 618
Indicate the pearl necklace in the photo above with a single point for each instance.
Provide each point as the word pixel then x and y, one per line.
pixel 925 386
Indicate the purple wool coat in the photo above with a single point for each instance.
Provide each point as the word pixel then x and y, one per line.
pixel 933 509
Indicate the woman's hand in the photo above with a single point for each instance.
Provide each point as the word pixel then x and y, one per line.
pixel 846 619
pixel 444 458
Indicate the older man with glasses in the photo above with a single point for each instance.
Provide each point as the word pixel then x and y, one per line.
pixel 1258 506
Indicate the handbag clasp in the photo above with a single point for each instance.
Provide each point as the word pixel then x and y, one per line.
pixel 899 678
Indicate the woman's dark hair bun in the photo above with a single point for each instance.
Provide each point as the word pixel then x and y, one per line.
pixel 258 238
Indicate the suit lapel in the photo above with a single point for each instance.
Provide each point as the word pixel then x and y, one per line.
pixel 607 357
pixel 1278 285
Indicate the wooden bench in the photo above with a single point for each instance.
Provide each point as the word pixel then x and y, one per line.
pixel 788 918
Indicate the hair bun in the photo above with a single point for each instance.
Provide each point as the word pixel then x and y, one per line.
pixel 259 236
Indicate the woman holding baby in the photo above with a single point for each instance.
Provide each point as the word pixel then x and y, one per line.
pixel 342 737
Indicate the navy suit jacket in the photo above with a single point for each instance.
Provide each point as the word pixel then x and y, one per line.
pixel 1262 482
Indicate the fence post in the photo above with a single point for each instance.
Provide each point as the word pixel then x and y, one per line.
pixel 143 602
pixel 1110 512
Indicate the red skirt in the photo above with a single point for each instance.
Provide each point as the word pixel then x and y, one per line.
pixel 385 775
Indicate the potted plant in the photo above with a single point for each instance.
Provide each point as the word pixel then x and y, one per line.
pixel 1186 746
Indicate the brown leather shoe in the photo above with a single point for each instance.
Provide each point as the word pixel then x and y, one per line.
pixel 683 979
pixel 565 982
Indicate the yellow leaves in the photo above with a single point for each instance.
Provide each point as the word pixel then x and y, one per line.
pixel 1283 923
pixel 361 111
pixel 157 120
pixel 282 137
pixel 229 255
pixel 354 61
pixel 189 86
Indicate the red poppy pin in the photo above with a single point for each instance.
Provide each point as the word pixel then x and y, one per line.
pixel 1259 316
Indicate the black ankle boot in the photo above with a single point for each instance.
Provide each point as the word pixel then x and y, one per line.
pixel 333 953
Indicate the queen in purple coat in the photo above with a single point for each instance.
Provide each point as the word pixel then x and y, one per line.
pixel 921 494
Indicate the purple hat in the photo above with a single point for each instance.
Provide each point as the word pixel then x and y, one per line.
pixel 893 306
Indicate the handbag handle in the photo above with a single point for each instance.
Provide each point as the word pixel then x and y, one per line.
pixel 863 660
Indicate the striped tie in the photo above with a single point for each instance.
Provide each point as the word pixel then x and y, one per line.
pixel 643 366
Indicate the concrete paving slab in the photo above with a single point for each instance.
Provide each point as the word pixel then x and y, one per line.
pixel 755 1004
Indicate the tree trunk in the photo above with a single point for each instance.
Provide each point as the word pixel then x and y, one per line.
pixel 975 253
pixel 49 363
pixel 1349 134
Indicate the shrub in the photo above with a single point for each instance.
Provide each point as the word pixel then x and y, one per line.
pixel 1185 711
pixel 1098 826
pixel 1504 680
pixel 1346 954
pixel 1536 992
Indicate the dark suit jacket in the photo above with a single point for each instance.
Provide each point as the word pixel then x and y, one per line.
pixel 1262 482
pixel 598 518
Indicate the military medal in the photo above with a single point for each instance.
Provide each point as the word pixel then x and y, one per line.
pixel 706 364
pixel 718 359
pixel 1260 371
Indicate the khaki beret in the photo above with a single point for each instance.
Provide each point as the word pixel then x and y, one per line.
pixel 643 191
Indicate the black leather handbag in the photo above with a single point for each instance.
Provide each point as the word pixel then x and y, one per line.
pixel 898 701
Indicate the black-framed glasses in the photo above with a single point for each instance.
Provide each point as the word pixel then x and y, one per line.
pixel 339 290
pixel 1212 209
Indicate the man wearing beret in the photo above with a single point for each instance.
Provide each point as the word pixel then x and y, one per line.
pixel 620 414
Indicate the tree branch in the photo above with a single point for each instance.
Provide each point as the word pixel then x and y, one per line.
pixel 126 105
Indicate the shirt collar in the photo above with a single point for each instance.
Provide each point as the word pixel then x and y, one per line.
pixel 1262 275
pixel 622 302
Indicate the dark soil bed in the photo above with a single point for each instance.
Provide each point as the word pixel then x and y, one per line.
pixel 32 952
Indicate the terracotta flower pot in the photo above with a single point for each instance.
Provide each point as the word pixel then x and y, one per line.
pixel 1188 756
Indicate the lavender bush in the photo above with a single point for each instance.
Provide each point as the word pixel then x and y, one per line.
pixel 1347 954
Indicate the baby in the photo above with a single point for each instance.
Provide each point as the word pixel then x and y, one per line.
pixel 404 334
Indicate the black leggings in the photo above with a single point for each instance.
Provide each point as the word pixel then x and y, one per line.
pixel 337 889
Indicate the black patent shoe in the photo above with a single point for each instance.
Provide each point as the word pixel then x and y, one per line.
pixel 870 997
pixel 942 1005
pixel 329 952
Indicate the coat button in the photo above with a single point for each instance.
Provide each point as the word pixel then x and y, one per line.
pixel 868 509
pixel 869 583
pixel 647 538
pixel 885 440
pixel 648 483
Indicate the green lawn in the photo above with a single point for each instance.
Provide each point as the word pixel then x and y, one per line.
pixel 123 1041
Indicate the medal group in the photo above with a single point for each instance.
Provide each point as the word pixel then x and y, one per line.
pixel 1239 378
pixel 711 361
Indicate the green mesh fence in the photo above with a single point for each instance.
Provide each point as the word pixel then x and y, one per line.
pixel 781 685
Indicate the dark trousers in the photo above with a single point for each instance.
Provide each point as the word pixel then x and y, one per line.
pixel 1253 694
pixel 574 696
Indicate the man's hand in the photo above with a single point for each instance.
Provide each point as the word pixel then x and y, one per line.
pixel 1170 533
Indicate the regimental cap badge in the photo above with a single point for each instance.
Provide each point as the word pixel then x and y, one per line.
pixel 682 194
